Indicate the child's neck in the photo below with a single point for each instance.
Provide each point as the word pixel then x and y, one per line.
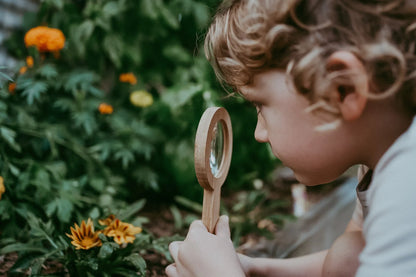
pixel 384 124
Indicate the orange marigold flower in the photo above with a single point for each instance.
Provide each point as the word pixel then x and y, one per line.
pixel 23 70
pixel 29 61
pixel 104 108
pixel 12 88
pixel 84 237
pixel 45 39
pixel 128 78
pixel 2 187
pixel 141 98
pixel 122 232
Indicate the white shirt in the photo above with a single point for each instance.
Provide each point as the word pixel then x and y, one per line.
pixel 390 226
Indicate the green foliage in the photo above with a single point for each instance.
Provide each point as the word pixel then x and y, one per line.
pixel 63 160
pixel 254 212
pixel 109 259
pixel 251 212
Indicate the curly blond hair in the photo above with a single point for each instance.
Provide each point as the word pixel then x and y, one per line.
pixel 250 36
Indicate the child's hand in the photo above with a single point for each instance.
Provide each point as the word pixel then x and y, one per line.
pixel 204 254
pixel 247 264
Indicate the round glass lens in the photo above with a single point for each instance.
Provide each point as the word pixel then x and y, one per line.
pixel 217 149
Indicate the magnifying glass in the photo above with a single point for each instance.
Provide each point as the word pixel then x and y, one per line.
pixel 213 148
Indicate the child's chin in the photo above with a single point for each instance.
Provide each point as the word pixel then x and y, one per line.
pixel 308 181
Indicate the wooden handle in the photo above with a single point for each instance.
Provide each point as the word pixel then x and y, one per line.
pixel 211 208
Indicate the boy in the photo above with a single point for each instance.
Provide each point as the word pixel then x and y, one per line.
pixel 333 82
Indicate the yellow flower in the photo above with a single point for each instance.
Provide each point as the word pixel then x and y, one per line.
pixel 29 62
pixel 104 108
pixel 84 237
pixel 107 221
pixel 128 78
pixel 141 98
pixel 23 70
pixel 122 232
pixel 12 88
pixel 2 187
pixel 45 39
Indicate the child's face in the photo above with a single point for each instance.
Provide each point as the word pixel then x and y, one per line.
pixel 315 157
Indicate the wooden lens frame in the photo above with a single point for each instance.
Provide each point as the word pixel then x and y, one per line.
pixel 210 182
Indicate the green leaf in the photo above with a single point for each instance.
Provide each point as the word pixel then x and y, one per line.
pixel 111 9
pixel 126 157
pixel 34 91
pixel 177 217
pixel 41 179
pixel 194 206
pixel 9 136
pixel 58 169
pixel 65 104
pixel 25 120
pixel 132 209
pixel 5 76
pixel 29 260
pixel 86 121
pixel 14 169
pixel 202 14
pixel 95 91
pixel 5 208
pixel 98 184
pixel 136 260
pixel 59 4
pixel 169 18
pixel 65 208
pixel 51 208
pixel 176 97
pixel 177 53
pixel 94 213
pixel 80 80
pixel 114 47
pixel 85 30
pixel 106 250
pixel 48 71
pixel 148 177
pixel 148 8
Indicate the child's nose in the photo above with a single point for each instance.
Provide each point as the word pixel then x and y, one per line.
pixel 260 134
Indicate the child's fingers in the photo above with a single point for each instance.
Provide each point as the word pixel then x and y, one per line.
pixel 171 271
pixel 196 227
pixel 174 249
pixel 197 224
pixel 223 229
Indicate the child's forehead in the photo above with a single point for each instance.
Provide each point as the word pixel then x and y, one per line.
pixel 263 81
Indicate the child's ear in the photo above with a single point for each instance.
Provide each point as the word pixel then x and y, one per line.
pixel 351 97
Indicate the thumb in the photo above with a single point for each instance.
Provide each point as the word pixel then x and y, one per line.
pixel 222 228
